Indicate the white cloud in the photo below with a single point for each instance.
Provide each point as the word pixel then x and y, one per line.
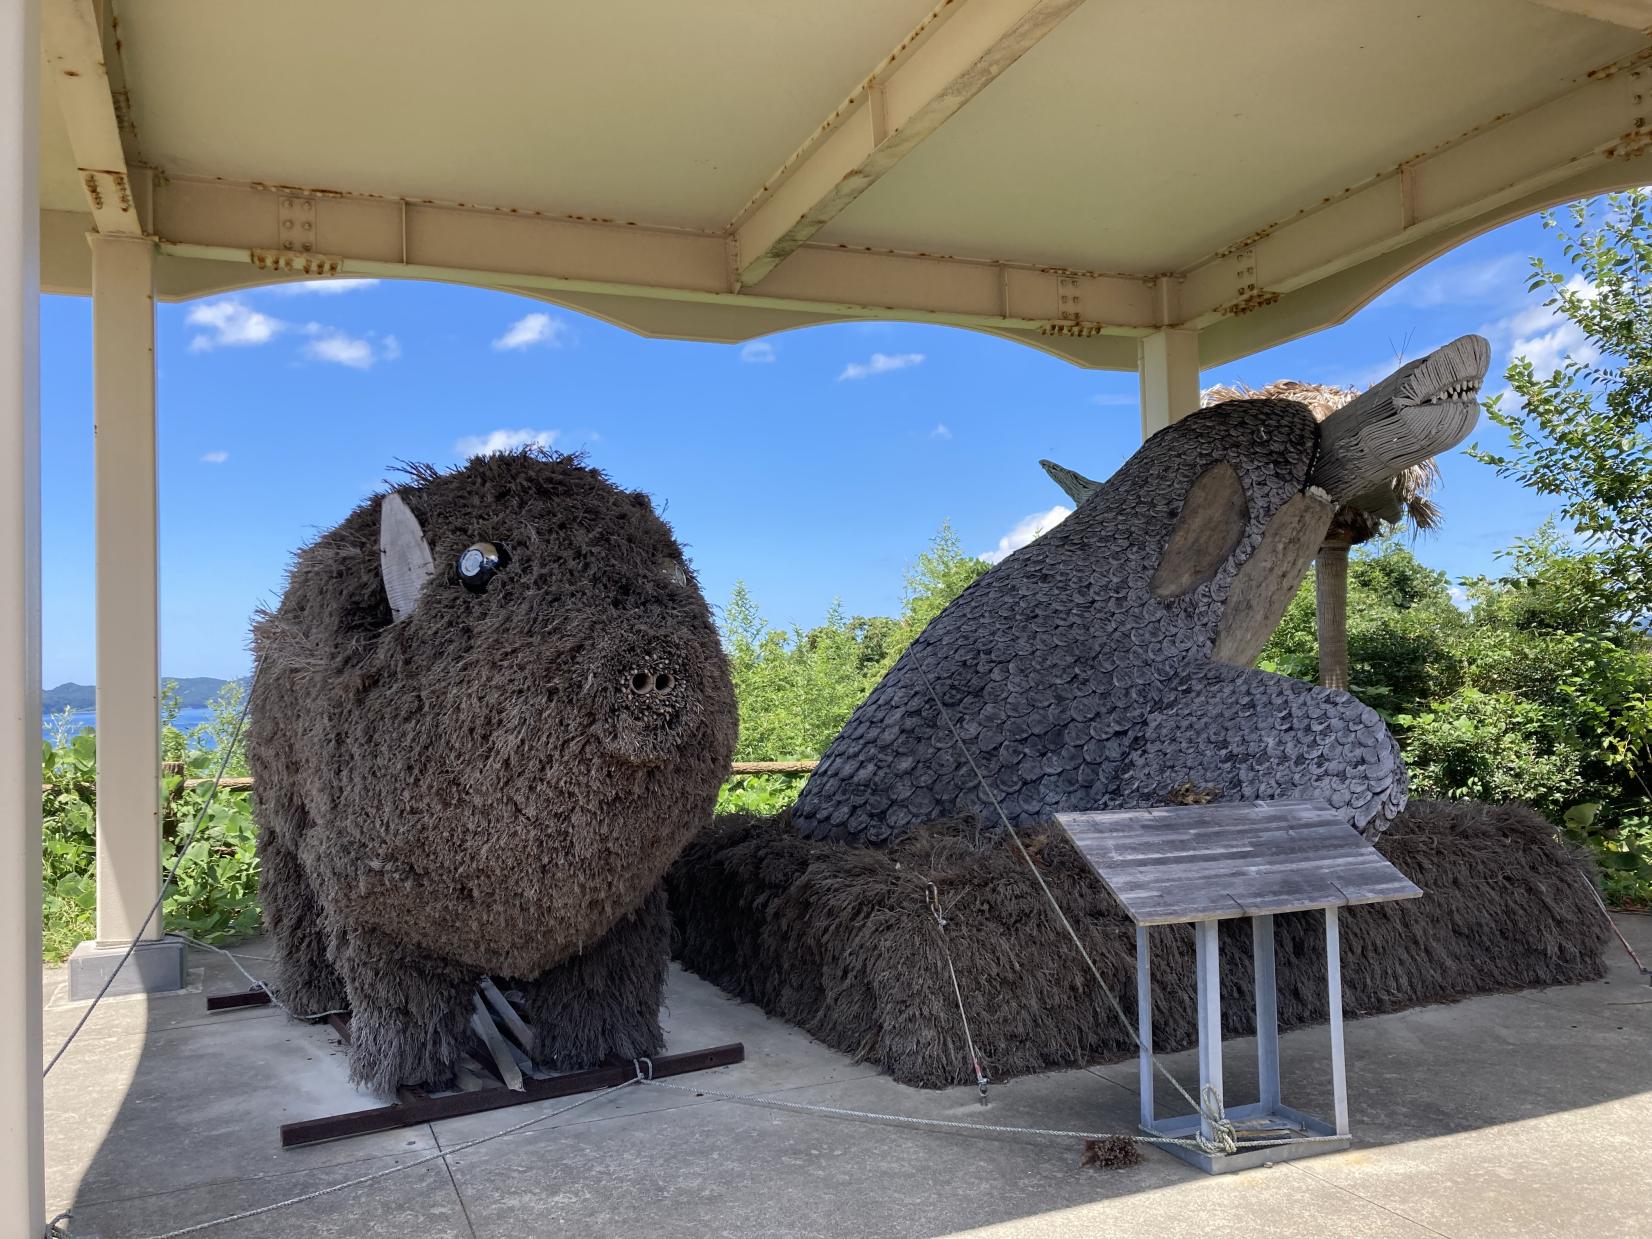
pixel 880 363
pixel 1543 337
pixel 941 431
pixel 1547 349
pixel 532 329
pixel 320 288
pixel 504 441
pixel 231 323
pixel 341 348
pixel 758 352
pixel 214 458
pixel 1026 529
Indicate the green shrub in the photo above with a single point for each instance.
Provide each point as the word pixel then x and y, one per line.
pixel 1495 747
pixel 215 896
pixel 1536 692
pixel 759 794
pixel 68 838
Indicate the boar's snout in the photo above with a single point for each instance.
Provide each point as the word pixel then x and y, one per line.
pixel 645 682
pixel 641 686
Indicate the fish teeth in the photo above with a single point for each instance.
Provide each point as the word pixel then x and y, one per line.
pixel 1457 391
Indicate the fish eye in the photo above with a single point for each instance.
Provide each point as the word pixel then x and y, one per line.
pixel 479 562
pixel 673 572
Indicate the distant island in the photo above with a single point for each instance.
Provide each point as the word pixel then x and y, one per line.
pixel 193 692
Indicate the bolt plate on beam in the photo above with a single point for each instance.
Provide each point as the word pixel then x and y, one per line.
pixel 1071 305
pixel 1248 293
pixel 296 222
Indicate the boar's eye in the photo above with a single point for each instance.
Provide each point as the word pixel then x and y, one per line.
pixel 479 562
pixel 673 572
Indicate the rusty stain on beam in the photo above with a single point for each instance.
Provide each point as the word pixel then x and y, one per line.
pixel 81 69
pixel 1433 189
pixel 217 219
pixel 1408 168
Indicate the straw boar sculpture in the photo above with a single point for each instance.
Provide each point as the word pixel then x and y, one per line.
pixel 1107 664
pixel 490 710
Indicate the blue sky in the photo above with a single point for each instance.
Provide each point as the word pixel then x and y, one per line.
pixel 814 465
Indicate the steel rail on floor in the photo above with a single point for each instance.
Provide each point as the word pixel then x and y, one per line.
pixel 415 1106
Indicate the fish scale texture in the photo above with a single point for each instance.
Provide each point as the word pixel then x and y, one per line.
pixel 1259 736
pixel 1072 686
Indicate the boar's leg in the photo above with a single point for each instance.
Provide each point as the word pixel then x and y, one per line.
pixel 605 1002
pixel 309 983
pixel 408 1012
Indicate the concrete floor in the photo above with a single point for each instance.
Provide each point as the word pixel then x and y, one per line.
pixel 1520 1114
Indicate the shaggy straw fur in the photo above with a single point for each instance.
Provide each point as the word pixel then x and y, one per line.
pixel 497 782
pixel 838 940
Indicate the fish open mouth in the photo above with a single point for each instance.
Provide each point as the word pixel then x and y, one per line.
pixel 1426 407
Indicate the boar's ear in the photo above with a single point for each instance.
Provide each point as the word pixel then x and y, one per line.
pixel 405 563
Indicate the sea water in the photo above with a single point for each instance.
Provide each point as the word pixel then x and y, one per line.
pixel 194 716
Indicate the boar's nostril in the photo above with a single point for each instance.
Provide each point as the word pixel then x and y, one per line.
pixel 642 682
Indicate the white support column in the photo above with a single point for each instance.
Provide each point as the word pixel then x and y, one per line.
pixel 1168 364
pixel 128 593
pixel 1207 960
pixel 1267 1012
pixel 22 1144
pixel 1144 1023
pixel 1333 981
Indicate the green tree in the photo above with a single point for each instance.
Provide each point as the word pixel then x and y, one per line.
pixel 796 689
pixel 1581 431
pixel 1535 693
pixel 1403 634
pixel 939 574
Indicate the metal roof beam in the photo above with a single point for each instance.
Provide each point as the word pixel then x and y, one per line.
pixel 954 54
pixel 290 231
pixel 79 65
pixel 1605 119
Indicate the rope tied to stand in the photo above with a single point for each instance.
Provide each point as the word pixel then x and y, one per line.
pixel 1224 1136
pixel 909 1120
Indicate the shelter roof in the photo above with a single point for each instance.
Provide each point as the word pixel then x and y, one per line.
pixel 1067 173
